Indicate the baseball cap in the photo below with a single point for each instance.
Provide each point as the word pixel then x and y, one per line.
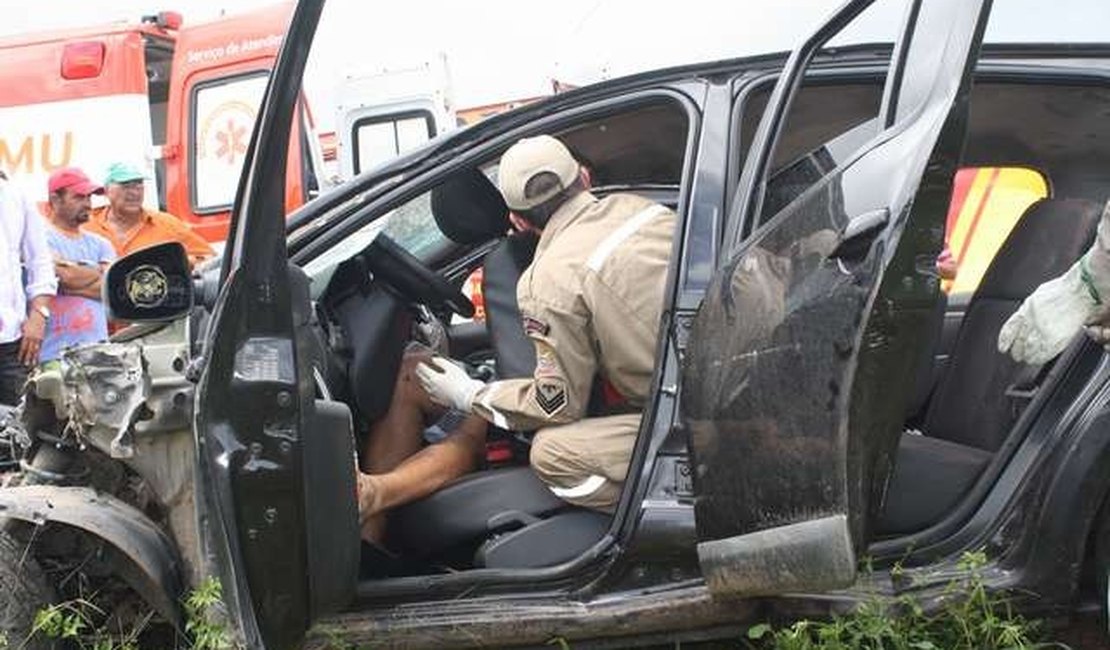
pixel 74 179
pixel 121 172
pixel 524 161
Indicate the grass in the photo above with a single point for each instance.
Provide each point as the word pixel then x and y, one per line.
pixel 79 623
pixel 972 618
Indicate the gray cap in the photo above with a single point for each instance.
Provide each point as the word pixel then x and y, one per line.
pixel 527 159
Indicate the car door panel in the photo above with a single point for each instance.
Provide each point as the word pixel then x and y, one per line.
pixel 269 450
pixel 803 353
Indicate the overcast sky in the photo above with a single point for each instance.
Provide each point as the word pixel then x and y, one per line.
pixel 504 49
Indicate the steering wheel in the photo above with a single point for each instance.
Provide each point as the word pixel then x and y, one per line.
pixel 406 274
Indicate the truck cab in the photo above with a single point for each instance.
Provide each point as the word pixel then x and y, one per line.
pixel 391 110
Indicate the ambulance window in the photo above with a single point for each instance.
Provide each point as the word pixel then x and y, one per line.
pixel 379 138
pixel 986 205
pixel 224 112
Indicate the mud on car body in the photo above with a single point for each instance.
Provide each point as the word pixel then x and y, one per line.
pixel 817 397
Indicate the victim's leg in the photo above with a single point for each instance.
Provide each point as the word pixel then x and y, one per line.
pixel 400 469
pixel 397 435
pixel 430 468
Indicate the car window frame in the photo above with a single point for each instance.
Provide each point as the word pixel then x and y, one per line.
pixel 428 175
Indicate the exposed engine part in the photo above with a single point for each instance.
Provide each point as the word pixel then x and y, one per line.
pixel 51 463
pixel 99 392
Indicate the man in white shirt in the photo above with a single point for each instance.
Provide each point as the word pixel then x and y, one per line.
pixel 27 286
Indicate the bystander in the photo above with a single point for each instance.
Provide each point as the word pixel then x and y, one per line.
pixel 129 226
pixel 80 259
pixel 27 285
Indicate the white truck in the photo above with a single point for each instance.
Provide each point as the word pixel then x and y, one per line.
pixel 388 111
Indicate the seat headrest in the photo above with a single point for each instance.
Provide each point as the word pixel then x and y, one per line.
pixel 1048 238
pixel 468 208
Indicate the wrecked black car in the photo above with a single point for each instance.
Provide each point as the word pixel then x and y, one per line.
pixel 821 395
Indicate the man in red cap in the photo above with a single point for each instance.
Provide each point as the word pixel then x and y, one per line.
pixel 80 259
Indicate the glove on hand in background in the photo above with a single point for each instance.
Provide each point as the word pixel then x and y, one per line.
pixel 1048 319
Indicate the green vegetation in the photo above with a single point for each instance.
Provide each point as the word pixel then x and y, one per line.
pixel 204 607
pixel 72 622
pixel 81 624
pixel 970 619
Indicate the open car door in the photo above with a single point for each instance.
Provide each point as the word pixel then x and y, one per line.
pixel 276 464
pixel 802 355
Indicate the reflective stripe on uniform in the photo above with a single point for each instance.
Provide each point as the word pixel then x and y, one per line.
pixel 583 489
pixel 617 237
pixel 498 417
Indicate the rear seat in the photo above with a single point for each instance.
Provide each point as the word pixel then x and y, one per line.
pixel 973 410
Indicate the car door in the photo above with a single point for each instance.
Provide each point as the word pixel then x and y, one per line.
pixel 802 353
pixel 276 463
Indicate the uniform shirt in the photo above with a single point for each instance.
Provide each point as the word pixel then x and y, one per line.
pixel 154 228
pixel 26 264
pixel 76 319
pixel 591 302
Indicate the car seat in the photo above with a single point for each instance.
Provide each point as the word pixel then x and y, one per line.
pixel 975 406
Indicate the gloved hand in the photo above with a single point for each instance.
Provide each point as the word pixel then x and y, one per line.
pixel 1048 319
pixel 447 384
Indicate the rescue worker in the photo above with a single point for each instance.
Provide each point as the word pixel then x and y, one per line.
pixel 591 302
pixel 1050 317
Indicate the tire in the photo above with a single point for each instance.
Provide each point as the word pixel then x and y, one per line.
pixel 24 590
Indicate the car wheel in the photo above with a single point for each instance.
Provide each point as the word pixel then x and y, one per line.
pixel 24 590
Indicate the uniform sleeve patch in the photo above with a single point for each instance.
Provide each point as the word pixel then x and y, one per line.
pixel 534 326
pixel 546 364
pixel 551 395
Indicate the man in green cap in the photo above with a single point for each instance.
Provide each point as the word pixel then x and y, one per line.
pixel 130 226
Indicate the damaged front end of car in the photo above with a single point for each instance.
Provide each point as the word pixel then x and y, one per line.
pixel 100 475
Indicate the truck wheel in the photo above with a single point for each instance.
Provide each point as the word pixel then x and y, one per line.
pixel 24 590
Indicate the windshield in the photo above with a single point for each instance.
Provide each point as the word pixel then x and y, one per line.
pixel 411 225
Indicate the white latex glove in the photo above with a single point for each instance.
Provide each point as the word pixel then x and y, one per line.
pixel 1049 318
pixel 447 384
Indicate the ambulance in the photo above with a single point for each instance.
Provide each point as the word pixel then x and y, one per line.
pixel 179 100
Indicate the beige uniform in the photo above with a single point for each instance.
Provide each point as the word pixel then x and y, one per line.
pixel 591 302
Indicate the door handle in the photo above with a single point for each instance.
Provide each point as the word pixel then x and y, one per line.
pixel 859 233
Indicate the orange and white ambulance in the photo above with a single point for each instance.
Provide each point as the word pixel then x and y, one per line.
pixel 179 100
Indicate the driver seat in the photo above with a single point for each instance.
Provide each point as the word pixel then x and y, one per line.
pixel 508 515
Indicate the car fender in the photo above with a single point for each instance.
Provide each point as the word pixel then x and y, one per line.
pixel 152 567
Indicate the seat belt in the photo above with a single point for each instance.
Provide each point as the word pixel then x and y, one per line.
pixel 1026 386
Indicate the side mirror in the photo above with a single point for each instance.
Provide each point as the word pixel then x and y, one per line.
pixel 152 284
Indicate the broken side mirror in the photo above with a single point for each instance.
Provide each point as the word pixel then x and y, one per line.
pixel 152 284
